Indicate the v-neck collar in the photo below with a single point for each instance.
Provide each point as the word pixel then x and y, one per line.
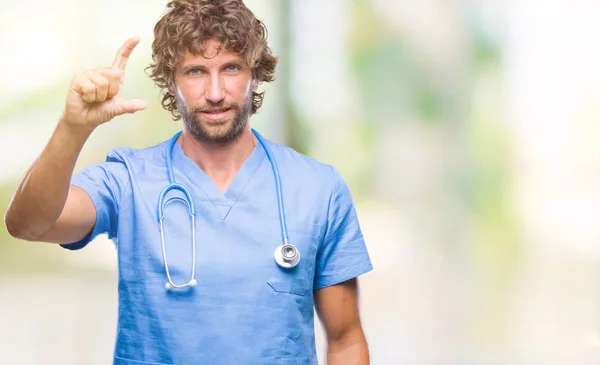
pixel 222 202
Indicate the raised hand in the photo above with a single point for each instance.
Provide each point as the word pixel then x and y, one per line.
pixel 95 96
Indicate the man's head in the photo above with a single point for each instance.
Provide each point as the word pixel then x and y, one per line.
pixel 209 58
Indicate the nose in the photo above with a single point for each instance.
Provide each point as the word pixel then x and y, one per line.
pixel 215 91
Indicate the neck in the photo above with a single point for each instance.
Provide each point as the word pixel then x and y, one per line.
pixel 220 162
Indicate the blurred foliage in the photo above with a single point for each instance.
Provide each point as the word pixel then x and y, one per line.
pixel 495 249
pixel 393 79
pixel 396 87
pixel 38 100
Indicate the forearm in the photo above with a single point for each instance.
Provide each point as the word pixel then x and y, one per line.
pixel 40 197
pixel 351 354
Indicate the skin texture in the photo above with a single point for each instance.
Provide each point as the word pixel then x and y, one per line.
pixel 337 308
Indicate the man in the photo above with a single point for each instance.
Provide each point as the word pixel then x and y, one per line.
pixel 238 305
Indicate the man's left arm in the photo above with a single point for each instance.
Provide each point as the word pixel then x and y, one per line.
pixel 337 308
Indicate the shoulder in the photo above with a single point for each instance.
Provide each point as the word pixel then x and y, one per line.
pixel 119 168
pixel 307 173
pixel 304 166
pixel 135 156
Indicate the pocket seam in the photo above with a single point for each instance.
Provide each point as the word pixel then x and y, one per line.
pixel 274 284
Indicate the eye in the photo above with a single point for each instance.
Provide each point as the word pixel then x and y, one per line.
pixel 194 72
pixel 232 68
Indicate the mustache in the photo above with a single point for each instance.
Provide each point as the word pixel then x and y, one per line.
pixel 211 105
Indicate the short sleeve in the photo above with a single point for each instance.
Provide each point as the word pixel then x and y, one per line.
pixel 343 253
pixel 104 183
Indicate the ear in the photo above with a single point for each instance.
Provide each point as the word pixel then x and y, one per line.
pixel 172 88
pixel 255 84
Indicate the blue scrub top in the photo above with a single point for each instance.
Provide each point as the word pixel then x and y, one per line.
pixel 245 308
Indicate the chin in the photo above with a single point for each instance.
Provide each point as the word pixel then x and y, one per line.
pixel 221 131
pixel 216 127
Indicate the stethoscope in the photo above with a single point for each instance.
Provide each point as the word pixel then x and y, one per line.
pixel 286 255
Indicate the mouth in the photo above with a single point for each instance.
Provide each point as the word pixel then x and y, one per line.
pixel 215 113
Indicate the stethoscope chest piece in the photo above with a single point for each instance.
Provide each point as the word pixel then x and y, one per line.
pixel 287 256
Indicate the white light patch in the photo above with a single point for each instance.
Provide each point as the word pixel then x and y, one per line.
pixel 38 62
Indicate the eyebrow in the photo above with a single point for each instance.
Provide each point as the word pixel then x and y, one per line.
pixel 237 62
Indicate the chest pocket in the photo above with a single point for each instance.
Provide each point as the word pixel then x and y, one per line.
pixel 299 279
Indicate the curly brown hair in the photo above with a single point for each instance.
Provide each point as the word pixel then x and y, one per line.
pixel 187 24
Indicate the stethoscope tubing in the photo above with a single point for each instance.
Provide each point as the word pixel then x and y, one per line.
pixel 192 211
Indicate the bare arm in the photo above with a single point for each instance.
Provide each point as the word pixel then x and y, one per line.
pixel 337 308
pixel 45 207
pixel 43 194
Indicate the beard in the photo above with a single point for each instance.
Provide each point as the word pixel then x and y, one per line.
pixel 224 131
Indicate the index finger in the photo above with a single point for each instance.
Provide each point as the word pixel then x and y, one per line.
pixel 124 53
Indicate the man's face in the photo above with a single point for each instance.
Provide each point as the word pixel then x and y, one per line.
pixel 214 94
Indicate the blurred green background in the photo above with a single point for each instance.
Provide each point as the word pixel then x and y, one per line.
pixel 467 131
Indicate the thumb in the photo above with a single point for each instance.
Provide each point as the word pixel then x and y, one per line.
pixel 132 106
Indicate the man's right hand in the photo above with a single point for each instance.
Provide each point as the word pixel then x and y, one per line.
pixel 95 96
pixel 45 207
